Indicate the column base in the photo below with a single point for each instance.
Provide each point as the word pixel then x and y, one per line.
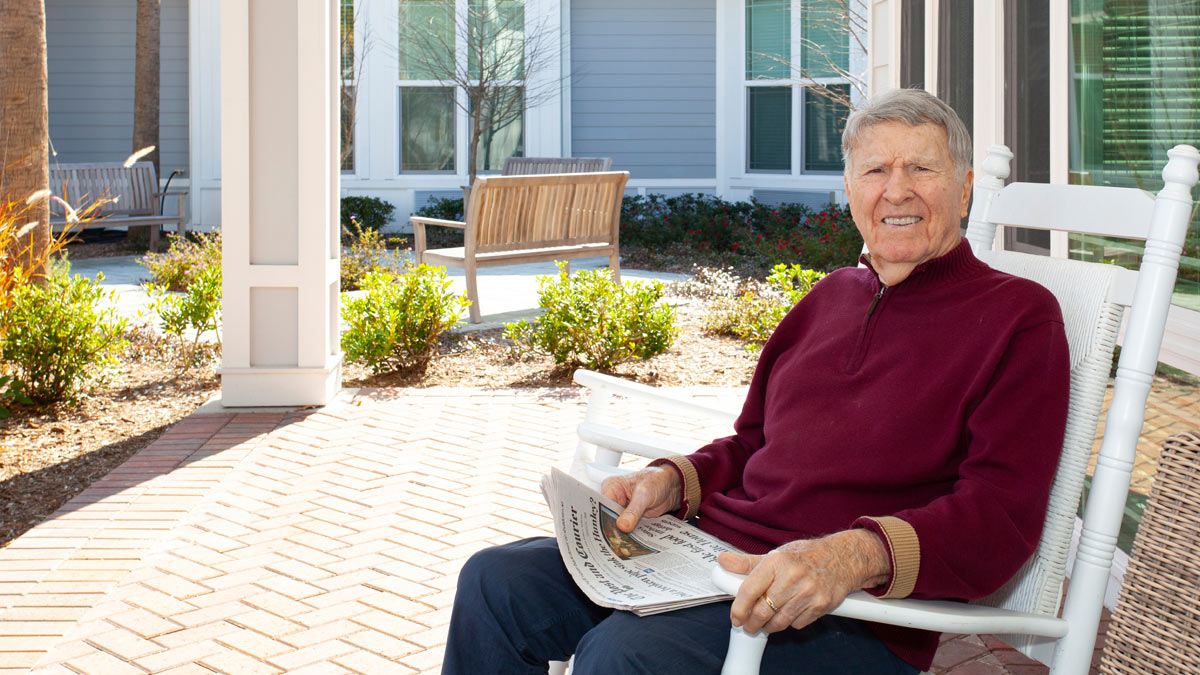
pixel 259 387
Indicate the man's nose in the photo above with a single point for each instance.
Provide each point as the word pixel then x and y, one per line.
pixel 899 185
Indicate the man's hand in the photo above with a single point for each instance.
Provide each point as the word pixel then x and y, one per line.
pixel 650 492
pixel 804 579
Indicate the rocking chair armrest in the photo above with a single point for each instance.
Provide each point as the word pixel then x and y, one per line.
pixel 599 382
pixel 936 615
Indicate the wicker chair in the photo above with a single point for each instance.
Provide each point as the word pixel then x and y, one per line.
pixel 1156 625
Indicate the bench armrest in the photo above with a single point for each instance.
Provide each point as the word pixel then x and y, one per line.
pixel 421 220
pixel 419 223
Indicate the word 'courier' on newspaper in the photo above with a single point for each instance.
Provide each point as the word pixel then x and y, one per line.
pixel 662 565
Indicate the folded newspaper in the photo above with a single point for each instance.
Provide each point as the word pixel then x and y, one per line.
pixel 662 565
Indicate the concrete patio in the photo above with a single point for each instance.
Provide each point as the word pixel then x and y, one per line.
pixel 317 541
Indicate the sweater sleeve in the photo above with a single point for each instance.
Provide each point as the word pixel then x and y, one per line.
pixel 968 543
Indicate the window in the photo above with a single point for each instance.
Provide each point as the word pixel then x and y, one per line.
pixel 796 90
pixel 956 59
pixel 349 89
pixel 457 57
pixel 912 44
pixel 1135 92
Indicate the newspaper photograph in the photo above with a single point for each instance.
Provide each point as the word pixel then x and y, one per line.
pixel 662 565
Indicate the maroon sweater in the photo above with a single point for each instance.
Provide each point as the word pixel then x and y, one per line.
pixel 940 403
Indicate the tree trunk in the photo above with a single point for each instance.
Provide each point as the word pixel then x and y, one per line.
pixel 473 147
pixel 24 126
pixel 146 90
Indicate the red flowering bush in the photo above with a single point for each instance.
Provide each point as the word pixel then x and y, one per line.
pixel 787 233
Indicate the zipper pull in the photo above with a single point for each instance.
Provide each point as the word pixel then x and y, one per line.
pixel 878 296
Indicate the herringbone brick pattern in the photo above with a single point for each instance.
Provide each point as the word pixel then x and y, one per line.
pixel 307 542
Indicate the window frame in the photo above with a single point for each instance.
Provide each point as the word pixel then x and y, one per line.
pixel 797 85
pixel 461 119
pixel 356 64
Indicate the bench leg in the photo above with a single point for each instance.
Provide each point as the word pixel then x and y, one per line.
pixel 154 232
pixel 472 293
pixel 614 263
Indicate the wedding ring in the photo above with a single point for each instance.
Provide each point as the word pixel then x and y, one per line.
pixel 770 602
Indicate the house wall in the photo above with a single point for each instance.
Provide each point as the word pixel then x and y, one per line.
pixel 90 47
pixel 643 86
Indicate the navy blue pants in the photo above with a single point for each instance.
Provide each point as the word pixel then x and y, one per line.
pixel 517 608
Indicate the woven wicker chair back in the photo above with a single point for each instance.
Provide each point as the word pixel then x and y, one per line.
pixel 1156 625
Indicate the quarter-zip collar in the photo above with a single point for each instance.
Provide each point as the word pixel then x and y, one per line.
pixel 959 263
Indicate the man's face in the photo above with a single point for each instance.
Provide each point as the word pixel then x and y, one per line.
pixel 904 194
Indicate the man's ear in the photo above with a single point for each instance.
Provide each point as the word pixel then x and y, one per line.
pixel 969 183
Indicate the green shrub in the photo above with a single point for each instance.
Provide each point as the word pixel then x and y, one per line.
pixel 592 321
pixel 197 310
pixel 787 233
pixel 444 209
pixel 396 325
pixel 755 310
pixel 368 253
pixel 60 338
pixel 369 213
pixel 185 260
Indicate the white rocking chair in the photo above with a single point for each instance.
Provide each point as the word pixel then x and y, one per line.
pixel 1093 297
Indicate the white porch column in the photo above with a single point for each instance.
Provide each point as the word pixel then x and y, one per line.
pixel 279 200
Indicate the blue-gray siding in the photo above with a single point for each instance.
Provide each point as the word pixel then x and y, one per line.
pixel 90 47
pixel 643 85
pixel 814 199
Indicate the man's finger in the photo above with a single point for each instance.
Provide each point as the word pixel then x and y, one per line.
pixel 614 488
pixel 639 501
pixel 738 563
pixel 752 588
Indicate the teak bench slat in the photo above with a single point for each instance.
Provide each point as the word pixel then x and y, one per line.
pixel 130 196
pixel 522 166
pixel 512 220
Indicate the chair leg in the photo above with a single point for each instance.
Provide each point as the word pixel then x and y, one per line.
pixel 154 233
pixel 473 294
pixel 745 652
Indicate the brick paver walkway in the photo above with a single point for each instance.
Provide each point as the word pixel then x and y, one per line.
pixel 319 541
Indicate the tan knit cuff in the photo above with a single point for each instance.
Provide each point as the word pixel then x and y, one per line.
pixel 690 489
pixel 904 549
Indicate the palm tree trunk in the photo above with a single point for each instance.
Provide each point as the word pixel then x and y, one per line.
pixel 146 89
pixel 146 82
pixel 24 126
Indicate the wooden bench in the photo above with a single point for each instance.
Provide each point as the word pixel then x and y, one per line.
pixel 524 166
pixel 528 166
pixel 536 218
pixel 130 196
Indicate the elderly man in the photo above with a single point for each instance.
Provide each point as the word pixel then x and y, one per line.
pixel 899 435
